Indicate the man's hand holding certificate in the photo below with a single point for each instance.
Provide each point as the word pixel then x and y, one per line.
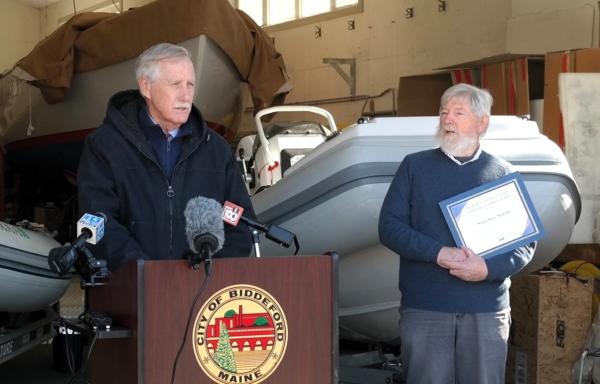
pixel 493 218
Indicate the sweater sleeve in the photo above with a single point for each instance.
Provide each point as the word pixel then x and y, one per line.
pixel 97 193
pixel 507 264
pixel 395 230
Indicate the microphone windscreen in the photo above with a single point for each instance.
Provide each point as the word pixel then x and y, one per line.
pixel 203 216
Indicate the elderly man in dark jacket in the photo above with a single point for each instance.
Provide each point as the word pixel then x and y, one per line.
pixel 153 153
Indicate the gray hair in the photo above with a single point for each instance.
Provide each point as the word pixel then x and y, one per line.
pixel 147 62
pixel 479 99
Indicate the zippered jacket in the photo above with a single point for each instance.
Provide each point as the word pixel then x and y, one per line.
pixel 120 176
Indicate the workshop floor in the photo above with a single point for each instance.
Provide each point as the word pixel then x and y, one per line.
pixel 36 366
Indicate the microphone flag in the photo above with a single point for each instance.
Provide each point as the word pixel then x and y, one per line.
pixel 232 213
pixel 94 224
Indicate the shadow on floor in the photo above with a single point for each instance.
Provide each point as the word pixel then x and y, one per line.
pixel 34 367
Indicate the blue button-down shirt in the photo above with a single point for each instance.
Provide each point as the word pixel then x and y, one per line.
pixel 166 146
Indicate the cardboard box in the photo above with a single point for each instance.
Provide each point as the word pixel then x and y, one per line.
pixel 420 95
pixel 508 82
pixel 50 216
pixel 513 80
pixel 551 319
pixel 466 75
pixel 583 60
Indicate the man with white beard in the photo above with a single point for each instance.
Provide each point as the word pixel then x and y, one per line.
pixel 455 310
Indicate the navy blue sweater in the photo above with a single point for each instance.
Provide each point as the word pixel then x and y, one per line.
pixel 412 225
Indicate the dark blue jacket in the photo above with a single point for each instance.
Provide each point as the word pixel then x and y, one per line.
pixel 120 176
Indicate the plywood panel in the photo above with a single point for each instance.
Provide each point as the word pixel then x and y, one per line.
pixel 543 32
pixel 579 95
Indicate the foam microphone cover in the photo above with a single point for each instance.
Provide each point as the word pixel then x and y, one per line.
pixel 202 217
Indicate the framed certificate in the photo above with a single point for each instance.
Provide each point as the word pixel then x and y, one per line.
pixel 493 218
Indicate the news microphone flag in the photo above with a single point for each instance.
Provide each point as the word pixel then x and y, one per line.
pixel 93 224
pixel 232 213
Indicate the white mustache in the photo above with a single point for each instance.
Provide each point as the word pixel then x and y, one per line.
pixel 183 106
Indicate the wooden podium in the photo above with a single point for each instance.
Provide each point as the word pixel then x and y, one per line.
pixel 150 303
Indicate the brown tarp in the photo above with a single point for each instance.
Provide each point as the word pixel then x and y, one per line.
pixel 93 40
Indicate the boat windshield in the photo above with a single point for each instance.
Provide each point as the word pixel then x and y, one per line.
pixel 295 128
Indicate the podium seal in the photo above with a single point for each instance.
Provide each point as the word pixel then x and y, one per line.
pixel 240 335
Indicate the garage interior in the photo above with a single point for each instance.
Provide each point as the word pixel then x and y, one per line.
pixel 360 60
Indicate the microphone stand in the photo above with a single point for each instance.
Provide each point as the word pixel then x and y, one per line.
pixel 256 241
pixel 272 232
pixel 91 269
pixel 206 255
pixel 195 259
pixel 205 244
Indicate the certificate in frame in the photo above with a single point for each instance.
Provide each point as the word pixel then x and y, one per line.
pixel 493 218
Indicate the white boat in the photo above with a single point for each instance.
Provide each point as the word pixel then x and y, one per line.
pixel 231 55
pixel 42 130
pixel 46 137
pixel 47 128
pixel 331 193
pixel 26 282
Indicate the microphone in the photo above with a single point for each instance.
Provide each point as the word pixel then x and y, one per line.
pixel 204 230
pixel 233 214
pixel 90 229
pixel 93 225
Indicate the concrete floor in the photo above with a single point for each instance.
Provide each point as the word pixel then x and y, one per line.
pixel 33 367
pixel 36 366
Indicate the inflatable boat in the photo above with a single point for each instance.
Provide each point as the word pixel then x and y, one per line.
pixel 328 188
pixel 26 282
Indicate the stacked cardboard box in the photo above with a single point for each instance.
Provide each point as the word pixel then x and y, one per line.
pixel 551 320
pixel 513 80
pixel 513 83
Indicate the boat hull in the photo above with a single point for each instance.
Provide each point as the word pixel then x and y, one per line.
pixel 332 199
pixel 26 282
pixel 57 141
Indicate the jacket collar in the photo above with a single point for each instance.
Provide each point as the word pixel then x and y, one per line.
pixel 124 113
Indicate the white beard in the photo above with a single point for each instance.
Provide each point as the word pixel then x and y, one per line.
pixel 456 144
